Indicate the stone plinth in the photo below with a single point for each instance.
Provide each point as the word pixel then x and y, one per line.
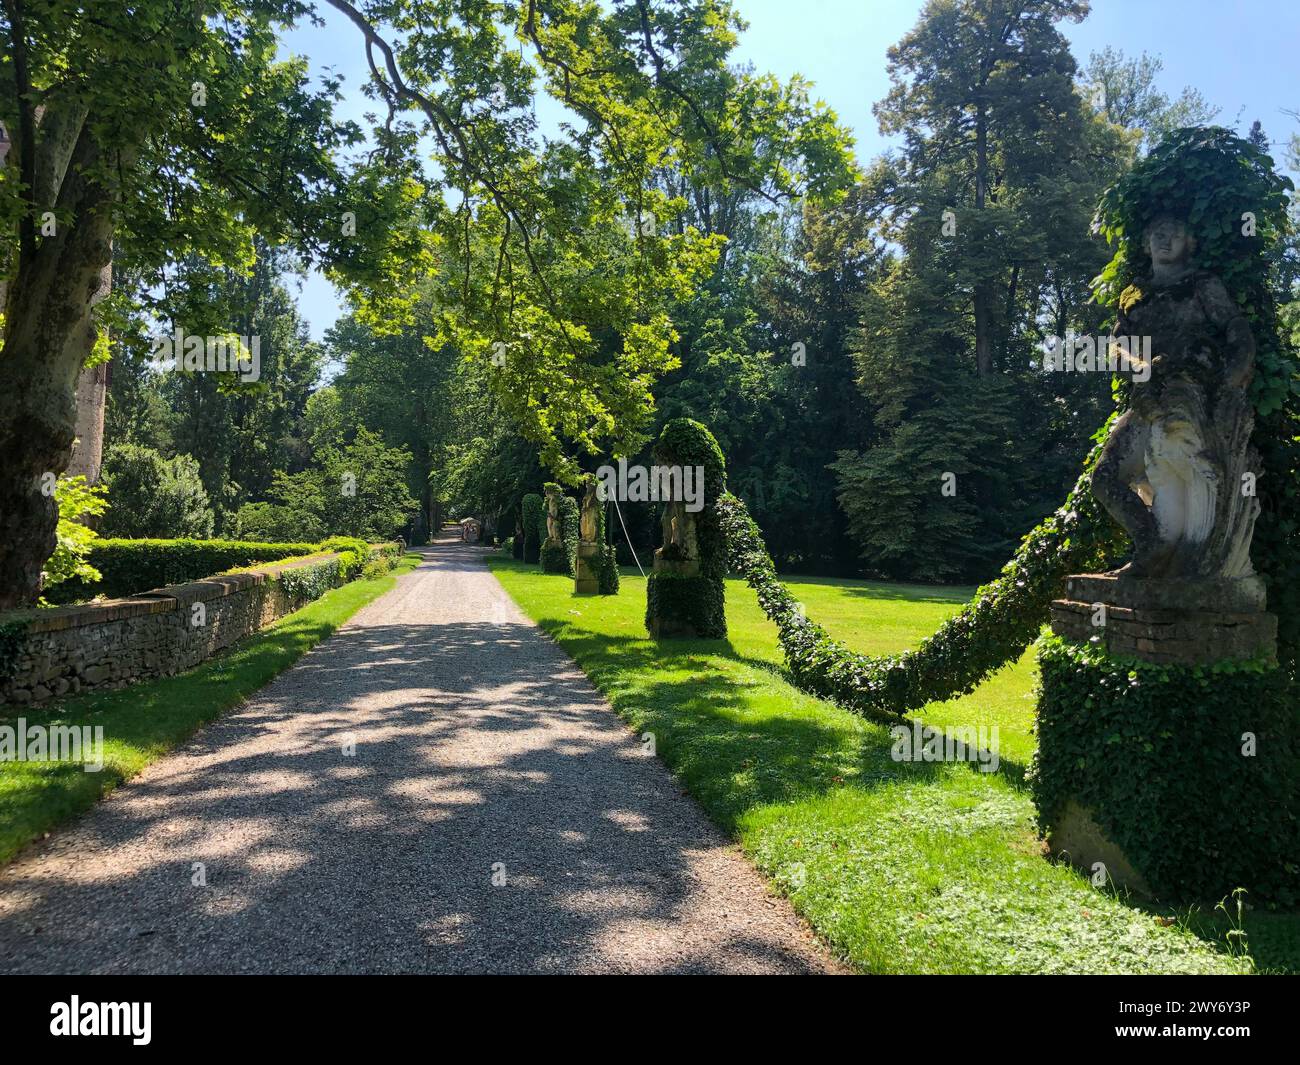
pixel 1245 595
pixel 1078 839
pixel 1173 623
pixel 586 581
pixel 1168 622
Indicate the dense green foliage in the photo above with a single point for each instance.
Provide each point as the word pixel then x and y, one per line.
pixel 78 502
pixel 153 497
pixel 681 603
pixel 129 566
pixel 534 524
pixel 989 202
pixel 993 629
pixel 1193 772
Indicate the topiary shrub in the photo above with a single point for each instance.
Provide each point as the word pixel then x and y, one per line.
pixel 606 561
pixel 151 496
pixel 692 604
pixel 570 518
pixel 534 520
pixel 1137 745
pixel 561 556
pixel 607 576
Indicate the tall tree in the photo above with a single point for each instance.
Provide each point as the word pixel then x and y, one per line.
pixel 1123 91
pixel 989 204
pixel 209 140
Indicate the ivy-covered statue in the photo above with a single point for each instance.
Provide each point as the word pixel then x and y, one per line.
pixel 1177 471
pixel 559 550
pixel 684 594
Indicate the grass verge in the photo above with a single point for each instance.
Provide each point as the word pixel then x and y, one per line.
pixel 901 867
pixel 145 721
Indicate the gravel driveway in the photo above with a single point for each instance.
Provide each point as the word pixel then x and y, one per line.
pixel 494 815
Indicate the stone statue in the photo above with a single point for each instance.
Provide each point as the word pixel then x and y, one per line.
pixel 589 521
pixel 678 527
pixel 553 513
pixel 1173 470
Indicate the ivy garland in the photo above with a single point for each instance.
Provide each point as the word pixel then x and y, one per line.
pixel 994 628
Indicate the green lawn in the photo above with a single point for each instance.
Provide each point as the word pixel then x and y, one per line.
pixel 901 867
pixel 143 722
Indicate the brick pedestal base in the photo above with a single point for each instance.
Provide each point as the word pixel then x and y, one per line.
pixel 1168 622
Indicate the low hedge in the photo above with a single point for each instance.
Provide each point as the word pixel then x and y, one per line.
pixel 128 567
pixel 305 584
pixel 1156 754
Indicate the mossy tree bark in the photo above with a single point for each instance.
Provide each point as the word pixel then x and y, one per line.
pixel 49 330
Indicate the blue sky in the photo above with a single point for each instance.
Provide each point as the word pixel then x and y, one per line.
pixel 1243 57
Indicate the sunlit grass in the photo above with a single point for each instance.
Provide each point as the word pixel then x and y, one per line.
pixel 900 867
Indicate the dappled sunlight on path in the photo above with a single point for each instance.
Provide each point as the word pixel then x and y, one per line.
pixel 354 815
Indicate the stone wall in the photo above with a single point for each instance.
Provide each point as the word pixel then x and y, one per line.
pixel 112 643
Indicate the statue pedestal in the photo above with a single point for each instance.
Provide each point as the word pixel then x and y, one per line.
pixel 554 556
pixel 682 603
pixel 1138 761
pixel 586 581
pixel 1168 622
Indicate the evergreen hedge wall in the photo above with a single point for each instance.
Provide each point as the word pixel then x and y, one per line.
pixel 1194 772
pixel 534 519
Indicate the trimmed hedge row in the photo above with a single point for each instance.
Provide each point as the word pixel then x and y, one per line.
pixel 1002 620
pixel 129 567
pixel 1193 772
pixel 132 566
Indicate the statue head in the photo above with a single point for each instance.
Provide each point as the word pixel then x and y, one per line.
pixel 1168 241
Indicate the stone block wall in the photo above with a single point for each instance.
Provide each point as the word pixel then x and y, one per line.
pixel 112 643
pixel 1169 637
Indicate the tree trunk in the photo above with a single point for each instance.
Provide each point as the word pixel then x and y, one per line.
pixel 49 332
pixel 982 295
pixel 92 397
